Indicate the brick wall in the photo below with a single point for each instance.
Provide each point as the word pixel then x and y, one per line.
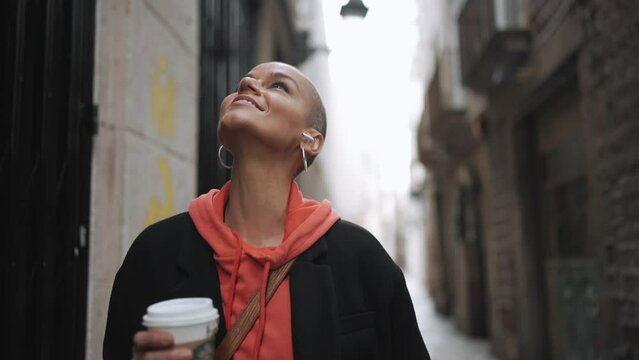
pixel 501 229
pixel 609 72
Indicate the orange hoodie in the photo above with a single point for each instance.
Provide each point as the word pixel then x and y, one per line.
pixel 243 269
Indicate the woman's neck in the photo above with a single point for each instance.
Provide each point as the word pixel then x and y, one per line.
pixel 257 203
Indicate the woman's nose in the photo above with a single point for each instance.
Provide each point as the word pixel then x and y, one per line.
pixel 248 84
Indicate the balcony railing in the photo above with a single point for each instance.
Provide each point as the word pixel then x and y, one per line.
pixel 444 132
pixel 493 42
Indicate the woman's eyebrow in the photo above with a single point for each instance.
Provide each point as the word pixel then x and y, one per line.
pixel 283 75
pixel 277 74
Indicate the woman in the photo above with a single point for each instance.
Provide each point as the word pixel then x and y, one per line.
pixel 343 297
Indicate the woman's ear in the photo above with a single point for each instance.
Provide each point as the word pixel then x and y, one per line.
pixel 313 141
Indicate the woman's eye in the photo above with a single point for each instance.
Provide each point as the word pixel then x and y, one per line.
pixel 280 85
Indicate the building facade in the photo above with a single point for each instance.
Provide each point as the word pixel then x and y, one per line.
pixel 534 175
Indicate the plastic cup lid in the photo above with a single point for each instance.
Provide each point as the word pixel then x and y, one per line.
pixel 180 312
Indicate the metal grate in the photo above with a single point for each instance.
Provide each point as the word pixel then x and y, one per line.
pixel 227 52
pixel 45 160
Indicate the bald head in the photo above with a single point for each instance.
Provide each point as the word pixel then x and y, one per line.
pixel 317 114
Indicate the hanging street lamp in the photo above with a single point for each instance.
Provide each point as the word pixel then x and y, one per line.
pixel 354 8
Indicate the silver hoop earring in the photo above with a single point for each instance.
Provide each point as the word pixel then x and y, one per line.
pixel 304 157
pixel 219 157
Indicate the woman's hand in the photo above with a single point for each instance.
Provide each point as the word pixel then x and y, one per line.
pixel 157 345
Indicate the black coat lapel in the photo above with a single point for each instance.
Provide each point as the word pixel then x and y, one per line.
pixel 201 280
pixel 314 312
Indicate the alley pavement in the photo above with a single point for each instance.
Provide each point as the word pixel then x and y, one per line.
pixel 443 341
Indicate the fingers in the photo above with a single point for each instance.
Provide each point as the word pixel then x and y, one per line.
pixel 156 345
pixel 171 354
pixel 152 340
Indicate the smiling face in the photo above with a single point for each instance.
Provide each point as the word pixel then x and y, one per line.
pixel 269 109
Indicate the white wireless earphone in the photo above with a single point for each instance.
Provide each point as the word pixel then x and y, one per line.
pixel 308 137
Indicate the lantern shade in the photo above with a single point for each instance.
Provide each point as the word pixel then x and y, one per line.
pixel 354 8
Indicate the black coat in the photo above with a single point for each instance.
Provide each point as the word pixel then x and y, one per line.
pixel 348 298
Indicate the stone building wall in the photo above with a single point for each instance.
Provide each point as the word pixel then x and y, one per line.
pixel 144 165
pixel 609 72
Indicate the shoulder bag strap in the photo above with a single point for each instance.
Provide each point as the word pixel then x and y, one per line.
pixel 249 315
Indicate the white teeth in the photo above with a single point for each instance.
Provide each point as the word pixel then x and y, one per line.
pixel 242 101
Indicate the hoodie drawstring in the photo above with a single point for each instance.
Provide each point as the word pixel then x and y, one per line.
pixel 262 318
pixel 234 273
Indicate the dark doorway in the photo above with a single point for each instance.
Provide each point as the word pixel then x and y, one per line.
pixel 554 174
pixel 468 235
pixel 45 156
pixel 571 277
pixel 227 38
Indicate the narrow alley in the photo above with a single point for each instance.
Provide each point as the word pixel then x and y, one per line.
pixel 442 339
pixel 489 145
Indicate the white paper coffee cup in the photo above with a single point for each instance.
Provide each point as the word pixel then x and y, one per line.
pixel 193 322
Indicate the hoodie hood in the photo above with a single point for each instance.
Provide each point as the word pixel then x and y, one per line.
pixel 306 221
pixel 243 269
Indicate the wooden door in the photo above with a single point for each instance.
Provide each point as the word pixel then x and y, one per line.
pixel 571 277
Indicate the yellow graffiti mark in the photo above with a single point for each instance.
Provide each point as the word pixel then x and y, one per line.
pixel 159 209
pixel 163 98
